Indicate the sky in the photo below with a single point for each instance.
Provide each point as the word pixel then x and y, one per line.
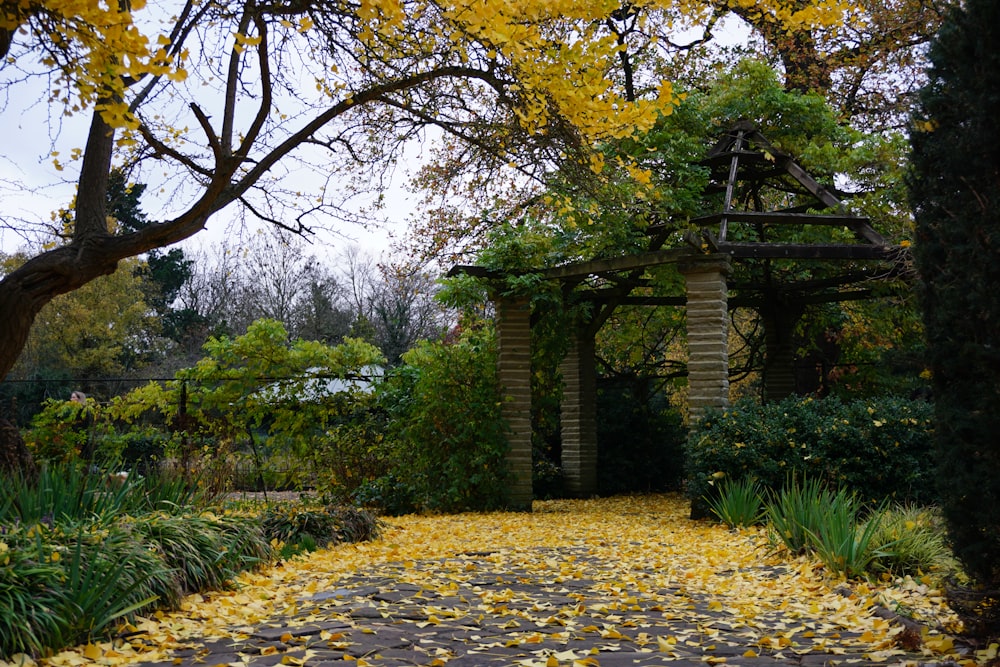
pixel 31 188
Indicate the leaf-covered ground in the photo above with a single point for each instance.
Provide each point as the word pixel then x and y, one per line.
pixel 626 580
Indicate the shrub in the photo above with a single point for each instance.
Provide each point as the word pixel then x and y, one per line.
pixel 807 517
pixel 204 550
pixel 302 528
pixel 739 503
pixel 797 512
pixel 640 439
pixel 844 546
pixel 913 542
pixel 351 452
pixel 953 188
pixel 447 439
pixel 880 449
pixel 82 550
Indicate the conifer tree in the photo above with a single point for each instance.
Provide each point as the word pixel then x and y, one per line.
pixel 955 191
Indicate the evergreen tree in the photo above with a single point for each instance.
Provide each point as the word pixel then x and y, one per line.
pixel 955 191
pixel 166 270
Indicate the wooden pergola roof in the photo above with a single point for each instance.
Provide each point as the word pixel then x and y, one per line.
pixel 748 171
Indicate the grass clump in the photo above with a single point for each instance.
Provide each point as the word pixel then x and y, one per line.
pixel 807 517
pixel 739 503
pixel 797 512
pixel 302 528
pixel 912 541
pixel 82 551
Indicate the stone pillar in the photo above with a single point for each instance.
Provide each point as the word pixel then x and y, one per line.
pixel 514 370
pixel 577 416
pixel 707 333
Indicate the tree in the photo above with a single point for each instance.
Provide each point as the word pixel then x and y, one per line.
pixel 403 311
pixel 215 100
pixel 86 340
pixel 955 189
pixel 284 389
pixel 166 272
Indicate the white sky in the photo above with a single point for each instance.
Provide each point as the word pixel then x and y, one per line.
pixel 31 188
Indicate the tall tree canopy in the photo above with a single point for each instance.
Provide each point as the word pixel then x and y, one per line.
pixel 216 103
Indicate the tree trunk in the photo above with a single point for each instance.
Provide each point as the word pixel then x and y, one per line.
pixel 15 459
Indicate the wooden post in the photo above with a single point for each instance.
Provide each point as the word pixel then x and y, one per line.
pixel 514 369
pixel 707 333
pixel 577 413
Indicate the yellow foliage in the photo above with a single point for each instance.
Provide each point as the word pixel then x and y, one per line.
pixel 95 47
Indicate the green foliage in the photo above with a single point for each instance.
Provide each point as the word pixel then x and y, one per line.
pixel 285 410
pixel 881 449
pixel 102 329
pixel 302 528
pixel 844 546
pixel 204 550
pixel 800 510
pixel 807 517
pixel 73 493
pixel 912 541
pixel 70 432
pixel 352 451
pixel 953 189
pixel 82 550
pixel 739 503
pixel 640 438
pixel 60 432
pixel 448 443
pixel 29 592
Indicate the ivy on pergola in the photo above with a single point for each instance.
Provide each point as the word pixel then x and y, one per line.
pixel 766 194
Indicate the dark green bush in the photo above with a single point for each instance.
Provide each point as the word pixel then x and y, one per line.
pixel 879 449
pixel 303 528
pixel 956 204
pixel 640 439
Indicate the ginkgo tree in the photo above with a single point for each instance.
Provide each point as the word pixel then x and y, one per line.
pixel 217 103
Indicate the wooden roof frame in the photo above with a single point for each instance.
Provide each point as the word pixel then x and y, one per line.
pixel 741 155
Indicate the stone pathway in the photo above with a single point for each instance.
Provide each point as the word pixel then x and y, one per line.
pixel 511 616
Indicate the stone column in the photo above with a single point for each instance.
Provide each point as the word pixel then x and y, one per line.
pixel 514 370
pixel 577 416
pixel 707 333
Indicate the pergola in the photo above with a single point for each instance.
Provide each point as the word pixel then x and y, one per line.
pixel 749 173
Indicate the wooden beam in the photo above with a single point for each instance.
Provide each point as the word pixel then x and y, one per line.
pixel 806 251
pixel 615 264
pixel 780 218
